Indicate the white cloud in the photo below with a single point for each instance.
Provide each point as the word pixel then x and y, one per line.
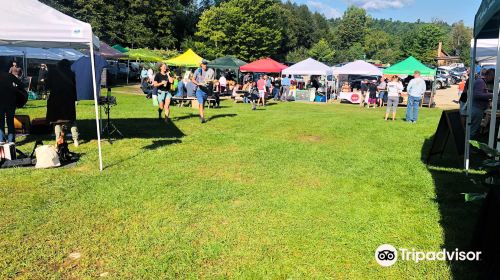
pixel 380 4
pixel 324 9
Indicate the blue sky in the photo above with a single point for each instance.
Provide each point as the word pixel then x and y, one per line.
pixel 404 10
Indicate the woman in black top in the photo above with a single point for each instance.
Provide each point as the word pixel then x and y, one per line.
pixel 163 82
pixel 8 105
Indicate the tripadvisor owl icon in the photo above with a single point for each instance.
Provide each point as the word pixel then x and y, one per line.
pixel 386 255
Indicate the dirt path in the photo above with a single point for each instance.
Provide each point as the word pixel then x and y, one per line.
pixel 445 98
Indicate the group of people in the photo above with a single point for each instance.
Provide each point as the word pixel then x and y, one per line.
pixel 61 104
pixel 199 85
pixel 375 93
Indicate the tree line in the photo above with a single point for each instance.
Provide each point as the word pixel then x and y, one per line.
pixel 251 29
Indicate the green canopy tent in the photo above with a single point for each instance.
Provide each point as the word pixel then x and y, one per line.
pixel 486 26
pixel 120 48
pixel 228 62
pixel 144 55
pixel 408 67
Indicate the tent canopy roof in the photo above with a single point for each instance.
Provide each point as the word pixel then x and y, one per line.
pixel 69 54
pixel 144 54
pixel 486 50
pixel 120 48
pixel 30 23
pixel 108 52
pixel 308 67
pixel 265 65
pixel 187 59
pixel 39 53
pixel 227 62
pixel 408 67
pixel 358 67
pixel 6 51
pixel 487 20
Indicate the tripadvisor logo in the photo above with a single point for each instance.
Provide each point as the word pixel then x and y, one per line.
pixel 387 255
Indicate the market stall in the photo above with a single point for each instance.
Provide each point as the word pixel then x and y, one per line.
pixel 265 65
pixel 358 67
pixel 486 26
pixel 227 63
pixel 188 59
pixel 407 68
pixel 48 28
pixel 309 67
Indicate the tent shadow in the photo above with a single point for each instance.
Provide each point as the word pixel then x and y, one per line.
pixel 220 116
pixel 161 143
pixel 458 218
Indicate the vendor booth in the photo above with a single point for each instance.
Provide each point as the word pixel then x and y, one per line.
pixel 486 26
pixel 310 67
pixel 29 23
pixel 227 63
pixel 358 67
pixel 265 65
pixel 188 59
pixel 407 68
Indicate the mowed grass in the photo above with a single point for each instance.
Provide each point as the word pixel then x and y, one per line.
pixel 292 191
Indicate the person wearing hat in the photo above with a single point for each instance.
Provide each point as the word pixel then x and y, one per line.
pixel 199 79
pixel 163 82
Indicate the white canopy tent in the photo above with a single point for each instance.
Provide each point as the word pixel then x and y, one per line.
pixel 486 51
pixel 38 53
pixel 358 67
pixel 308 67
pixel 29 23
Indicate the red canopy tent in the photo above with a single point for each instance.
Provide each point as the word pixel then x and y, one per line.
pixel 265 65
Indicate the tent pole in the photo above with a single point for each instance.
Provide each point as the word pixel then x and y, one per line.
pixel 469 106
pixel 494 106
pixel 96 105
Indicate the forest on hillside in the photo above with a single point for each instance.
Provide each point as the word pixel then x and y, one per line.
pixel 251 29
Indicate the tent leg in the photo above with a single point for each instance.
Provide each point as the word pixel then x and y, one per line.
pixel 494 106
pixel 469 106
pixel 96 105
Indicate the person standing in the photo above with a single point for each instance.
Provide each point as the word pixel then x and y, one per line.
pixel 163 83
pixel 416 89
pixel 202 89
pixel 481 100
pixel 461 86
pixel 8 84
pixel 285 87
pixel 276 88
pixel 61 103
pixel 382 90
pixel 222 84
pixel 16 70
pixel 42 78
pixel 261 87
pixel 372 94
pixel 364 93
pixel 394 89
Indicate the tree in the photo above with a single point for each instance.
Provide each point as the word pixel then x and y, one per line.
pixel 228 29
pixel 423 42
pixel 297 55
pixel 352 28
pixel 322 51
pixel 459 41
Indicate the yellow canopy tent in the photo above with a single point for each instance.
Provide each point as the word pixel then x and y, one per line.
pixel 187 59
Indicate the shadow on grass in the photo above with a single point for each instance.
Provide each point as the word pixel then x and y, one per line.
pixel 220 116
pixel 458 218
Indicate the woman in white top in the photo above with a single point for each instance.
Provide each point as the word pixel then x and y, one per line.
pixel 394 89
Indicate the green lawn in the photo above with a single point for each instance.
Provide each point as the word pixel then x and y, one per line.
pixel 295 191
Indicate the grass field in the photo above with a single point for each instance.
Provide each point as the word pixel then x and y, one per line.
pixel 293 191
